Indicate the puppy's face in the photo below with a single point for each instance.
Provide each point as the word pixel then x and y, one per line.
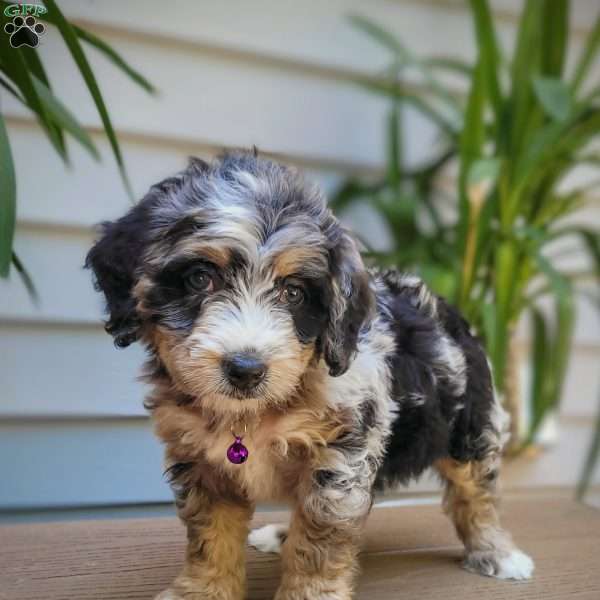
pixel 238 278
pixel 235 314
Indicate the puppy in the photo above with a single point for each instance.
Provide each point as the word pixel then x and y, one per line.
pixel 283 370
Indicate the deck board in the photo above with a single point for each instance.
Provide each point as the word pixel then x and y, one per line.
pixel 408 552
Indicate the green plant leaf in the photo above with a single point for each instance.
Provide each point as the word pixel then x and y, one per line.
pixel 591 460
pixel 558 282
pixel 591 239
pixel 439 279
pixel 8 201
pixel 473 134
pixel 61 115
pixel 37 70
pixel 539 366
pixel 404 57
pixel 549 377
pixel 452 65
pixel 484 171
pixel 588 54
pixel 382 36
pixel 565 322
pixel 394 140
pixel 488 52
pixel 17 70
pixel 552 149
pixel 588 237
pixel 554 96
pixel 515 145
pixel 68 34
pixel 560 346
pixel 481 190
pixel 398 210
pixel 555 32
pixel 350 191
pixel 12 90
pixel 488 314
pixel 25 278
pixel 35 64
pixel 471 149
pixel 525 64
pixel 592 159
pixel 556 207
pixel 395 91
pixel 115 58
pixel 591 96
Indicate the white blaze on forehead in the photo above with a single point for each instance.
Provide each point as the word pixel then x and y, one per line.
pixel 249 182
pixel 235 214
pixel 233 192
pixel 294 235
pixel 301 233
pixel 238 224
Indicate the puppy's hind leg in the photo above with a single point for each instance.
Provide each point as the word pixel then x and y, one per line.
pixel 471 502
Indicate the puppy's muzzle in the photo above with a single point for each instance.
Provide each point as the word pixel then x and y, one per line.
pixel 244 370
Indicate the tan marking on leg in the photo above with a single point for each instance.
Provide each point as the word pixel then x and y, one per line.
pixel 214 566
pixel 471 501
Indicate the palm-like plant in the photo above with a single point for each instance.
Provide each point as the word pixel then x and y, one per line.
pixel 522 127
pixel 22 75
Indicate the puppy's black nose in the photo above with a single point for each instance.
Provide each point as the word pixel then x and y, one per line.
pixel 244 371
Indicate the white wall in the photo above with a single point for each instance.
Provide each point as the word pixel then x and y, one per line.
pixel 275 73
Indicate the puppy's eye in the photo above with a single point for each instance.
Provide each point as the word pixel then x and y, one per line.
pixel 292 295
pixel 199 280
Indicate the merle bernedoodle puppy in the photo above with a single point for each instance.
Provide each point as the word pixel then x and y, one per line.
pixel 283 370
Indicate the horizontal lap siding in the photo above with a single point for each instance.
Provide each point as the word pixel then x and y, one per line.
pixel 80 462
pixel 217 100
pixel 275 73
pixel 68 370
pixel 312 32
pixel 88 192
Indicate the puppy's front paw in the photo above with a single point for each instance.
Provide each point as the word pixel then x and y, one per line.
pixel 503 565
pixel 268 538
pixel 198 592
pixel 168 595
pixel 314 589
pixel 309 595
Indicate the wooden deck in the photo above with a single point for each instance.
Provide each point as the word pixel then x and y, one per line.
pixel 409 552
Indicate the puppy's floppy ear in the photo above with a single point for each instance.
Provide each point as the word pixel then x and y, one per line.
pixel 352 301
pixel 116 256
pixel 114 259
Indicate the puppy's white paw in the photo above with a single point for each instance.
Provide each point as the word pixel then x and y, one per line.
pixel 517 565
pixel 512 565
pixel 268 538
pixel 168 595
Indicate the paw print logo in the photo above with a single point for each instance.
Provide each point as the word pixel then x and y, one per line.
pixel 25 31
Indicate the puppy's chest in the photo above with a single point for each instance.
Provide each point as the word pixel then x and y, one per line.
pixel 282 452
